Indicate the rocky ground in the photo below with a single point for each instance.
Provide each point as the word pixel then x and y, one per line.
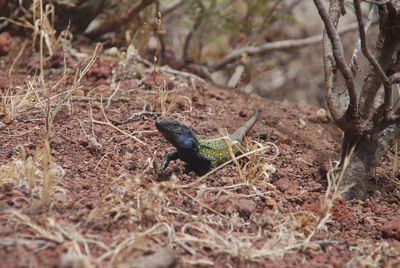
pixel 87 195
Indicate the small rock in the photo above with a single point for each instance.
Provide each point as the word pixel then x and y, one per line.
pixel 315 187
pixel 392 228
pixel 245 206
pixel 6 187
pixel 283 184
pixel 229 204
pixel 243 113
pixel 397 195
pixel 60 197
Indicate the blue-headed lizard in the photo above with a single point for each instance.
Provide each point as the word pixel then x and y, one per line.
pixel 200 154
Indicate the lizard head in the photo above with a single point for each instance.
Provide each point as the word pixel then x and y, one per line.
pixel 178 134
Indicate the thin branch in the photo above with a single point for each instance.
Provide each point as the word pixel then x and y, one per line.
pixel 337 110
pixel 133 116
pixel 275 46
pixel 121 20
pixel 353 64
pixel 172 7
pixel 387 44
pixel 364 45
pixel 196 26
pixel 383 2
pixel 339 58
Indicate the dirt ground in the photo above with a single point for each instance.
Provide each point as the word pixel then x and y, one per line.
pixel 88 195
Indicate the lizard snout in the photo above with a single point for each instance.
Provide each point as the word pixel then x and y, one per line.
pixel 158 124
pixel 163 124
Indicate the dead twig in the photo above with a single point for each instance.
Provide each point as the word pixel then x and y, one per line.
pixel 108 123
pixel 21 51
pixel 275 46
pixel 133 116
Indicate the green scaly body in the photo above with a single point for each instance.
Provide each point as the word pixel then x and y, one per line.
pixel 215 149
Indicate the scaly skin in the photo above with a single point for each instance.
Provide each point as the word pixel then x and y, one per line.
pixel 200 154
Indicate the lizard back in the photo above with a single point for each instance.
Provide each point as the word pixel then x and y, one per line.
pixel 215 147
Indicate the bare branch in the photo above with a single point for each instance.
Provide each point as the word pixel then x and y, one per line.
pixel 119 21
pixel 172 7
pixel 337 110
pixel 342 7
pixel 387 44
pixel 383 2
pixel 383 124
pixel 196 26
pixel 275 46
pixel 364 45
pixel 339 58
pixel 353 64
pixel 386 107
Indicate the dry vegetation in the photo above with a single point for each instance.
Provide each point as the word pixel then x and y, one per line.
pixel 70 198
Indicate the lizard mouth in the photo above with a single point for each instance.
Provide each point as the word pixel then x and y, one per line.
pixel 178 134
pixel 165 127
pixel 168 125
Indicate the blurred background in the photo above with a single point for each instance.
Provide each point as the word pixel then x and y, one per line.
pixel 197 35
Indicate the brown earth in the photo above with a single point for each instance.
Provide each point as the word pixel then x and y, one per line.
pixel 107 205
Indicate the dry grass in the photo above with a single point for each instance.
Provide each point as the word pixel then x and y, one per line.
pixel 19 102
pixel 333 192
pixel 160 100
pixel 201 235
pixel 149 218
pixel 372 255
pixel 38 175
pixel 152 214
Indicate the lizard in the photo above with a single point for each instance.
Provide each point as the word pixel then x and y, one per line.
pixel 200 154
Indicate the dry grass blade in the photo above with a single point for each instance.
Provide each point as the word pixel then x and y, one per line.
pixel 37 174
pixel 21 51
pixel 252 246
pixel 108 123
pixel 228 145
pixel 160 98
pixel 49 173
pixel 24 219
pixel 373 255
pixel 136 241
pixel 18 101
pixel 333 192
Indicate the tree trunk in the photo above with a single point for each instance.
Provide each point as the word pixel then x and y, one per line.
pixel 368 153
